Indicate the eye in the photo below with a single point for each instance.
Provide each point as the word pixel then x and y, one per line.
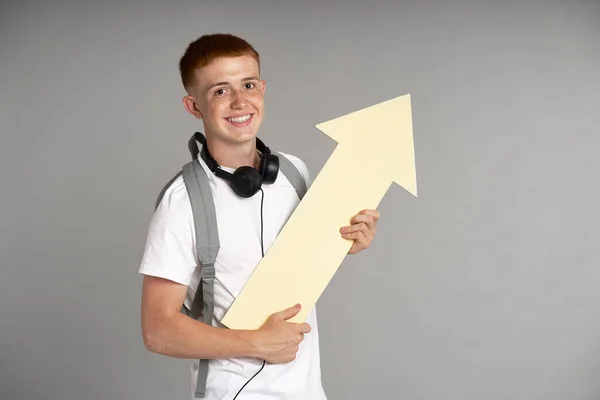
pixel 219 91
pixel 249 85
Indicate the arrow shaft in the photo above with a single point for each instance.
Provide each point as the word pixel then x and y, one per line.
pixel 345 186
pixel 304 257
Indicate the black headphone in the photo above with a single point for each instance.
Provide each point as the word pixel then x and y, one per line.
pixel 245 181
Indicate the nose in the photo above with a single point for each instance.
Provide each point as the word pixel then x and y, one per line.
pixel 238 100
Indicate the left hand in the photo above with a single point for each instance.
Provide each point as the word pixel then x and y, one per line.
pixel 362 229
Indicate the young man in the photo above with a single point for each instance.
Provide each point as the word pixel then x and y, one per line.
pixel 221 75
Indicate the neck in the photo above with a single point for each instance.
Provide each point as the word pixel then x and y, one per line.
pixel 234 155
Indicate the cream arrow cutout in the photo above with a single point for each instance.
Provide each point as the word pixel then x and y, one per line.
pixel 375 148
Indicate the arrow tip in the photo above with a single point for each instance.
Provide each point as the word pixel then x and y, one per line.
pixel 382 135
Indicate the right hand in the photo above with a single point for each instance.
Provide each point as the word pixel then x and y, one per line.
pixel 278 340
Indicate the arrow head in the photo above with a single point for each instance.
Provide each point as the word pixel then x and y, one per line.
pixel 381 137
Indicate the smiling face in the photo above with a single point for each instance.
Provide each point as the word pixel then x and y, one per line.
pixel 229 98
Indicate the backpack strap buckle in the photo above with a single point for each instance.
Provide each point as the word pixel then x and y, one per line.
pixel 208 273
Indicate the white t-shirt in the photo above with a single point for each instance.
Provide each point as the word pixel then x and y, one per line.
pixel 169 253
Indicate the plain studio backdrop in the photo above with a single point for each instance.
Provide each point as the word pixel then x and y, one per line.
pixel 485 286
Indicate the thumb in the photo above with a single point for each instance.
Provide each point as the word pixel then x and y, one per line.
pixel 289 312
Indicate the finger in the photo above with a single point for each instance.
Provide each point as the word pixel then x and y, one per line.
pixel 288 313
pixel 373 213
pixel 358 232
pixel 362 239
pixel 359 226
pixel 368 220
pixel 304 328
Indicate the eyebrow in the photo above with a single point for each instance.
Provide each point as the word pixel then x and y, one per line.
pixel 252 78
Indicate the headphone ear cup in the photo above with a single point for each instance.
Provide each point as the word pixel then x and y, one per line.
pixel 246 181
pixel 270 169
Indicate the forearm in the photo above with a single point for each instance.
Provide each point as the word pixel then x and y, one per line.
pixel 180 336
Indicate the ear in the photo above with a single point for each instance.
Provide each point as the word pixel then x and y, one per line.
pixel 263 85
pixel 190 105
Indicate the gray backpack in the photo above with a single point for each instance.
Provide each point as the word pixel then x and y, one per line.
pixel 207 235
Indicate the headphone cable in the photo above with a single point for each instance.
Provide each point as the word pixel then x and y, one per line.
pixel 262 247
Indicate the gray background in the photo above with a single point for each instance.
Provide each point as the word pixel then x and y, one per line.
pixel 486 286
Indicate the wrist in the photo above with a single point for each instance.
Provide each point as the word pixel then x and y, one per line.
pixel 249 342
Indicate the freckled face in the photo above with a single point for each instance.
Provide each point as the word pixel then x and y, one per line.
pixel 230 98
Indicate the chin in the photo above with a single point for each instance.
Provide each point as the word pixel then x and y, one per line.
pixel 236 137
pixel 241 134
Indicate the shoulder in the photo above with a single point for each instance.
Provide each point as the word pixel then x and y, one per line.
pixel 173 214
pixel 173 194
pixel 173 208
pixel 169 250
pixel 299 164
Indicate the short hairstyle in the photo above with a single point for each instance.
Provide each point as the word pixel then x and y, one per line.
pixel 206 49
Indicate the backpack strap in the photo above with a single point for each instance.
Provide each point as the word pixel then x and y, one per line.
pixel 293 174
pixel 207 247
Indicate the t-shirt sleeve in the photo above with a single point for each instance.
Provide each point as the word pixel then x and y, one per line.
pixel 169 250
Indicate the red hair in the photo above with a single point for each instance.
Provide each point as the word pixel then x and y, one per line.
pixel 206 49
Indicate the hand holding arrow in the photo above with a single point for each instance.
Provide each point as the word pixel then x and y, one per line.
pixel 375 148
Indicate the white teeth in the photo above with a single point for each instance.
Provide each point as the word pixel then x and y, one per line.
pixel 239 119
